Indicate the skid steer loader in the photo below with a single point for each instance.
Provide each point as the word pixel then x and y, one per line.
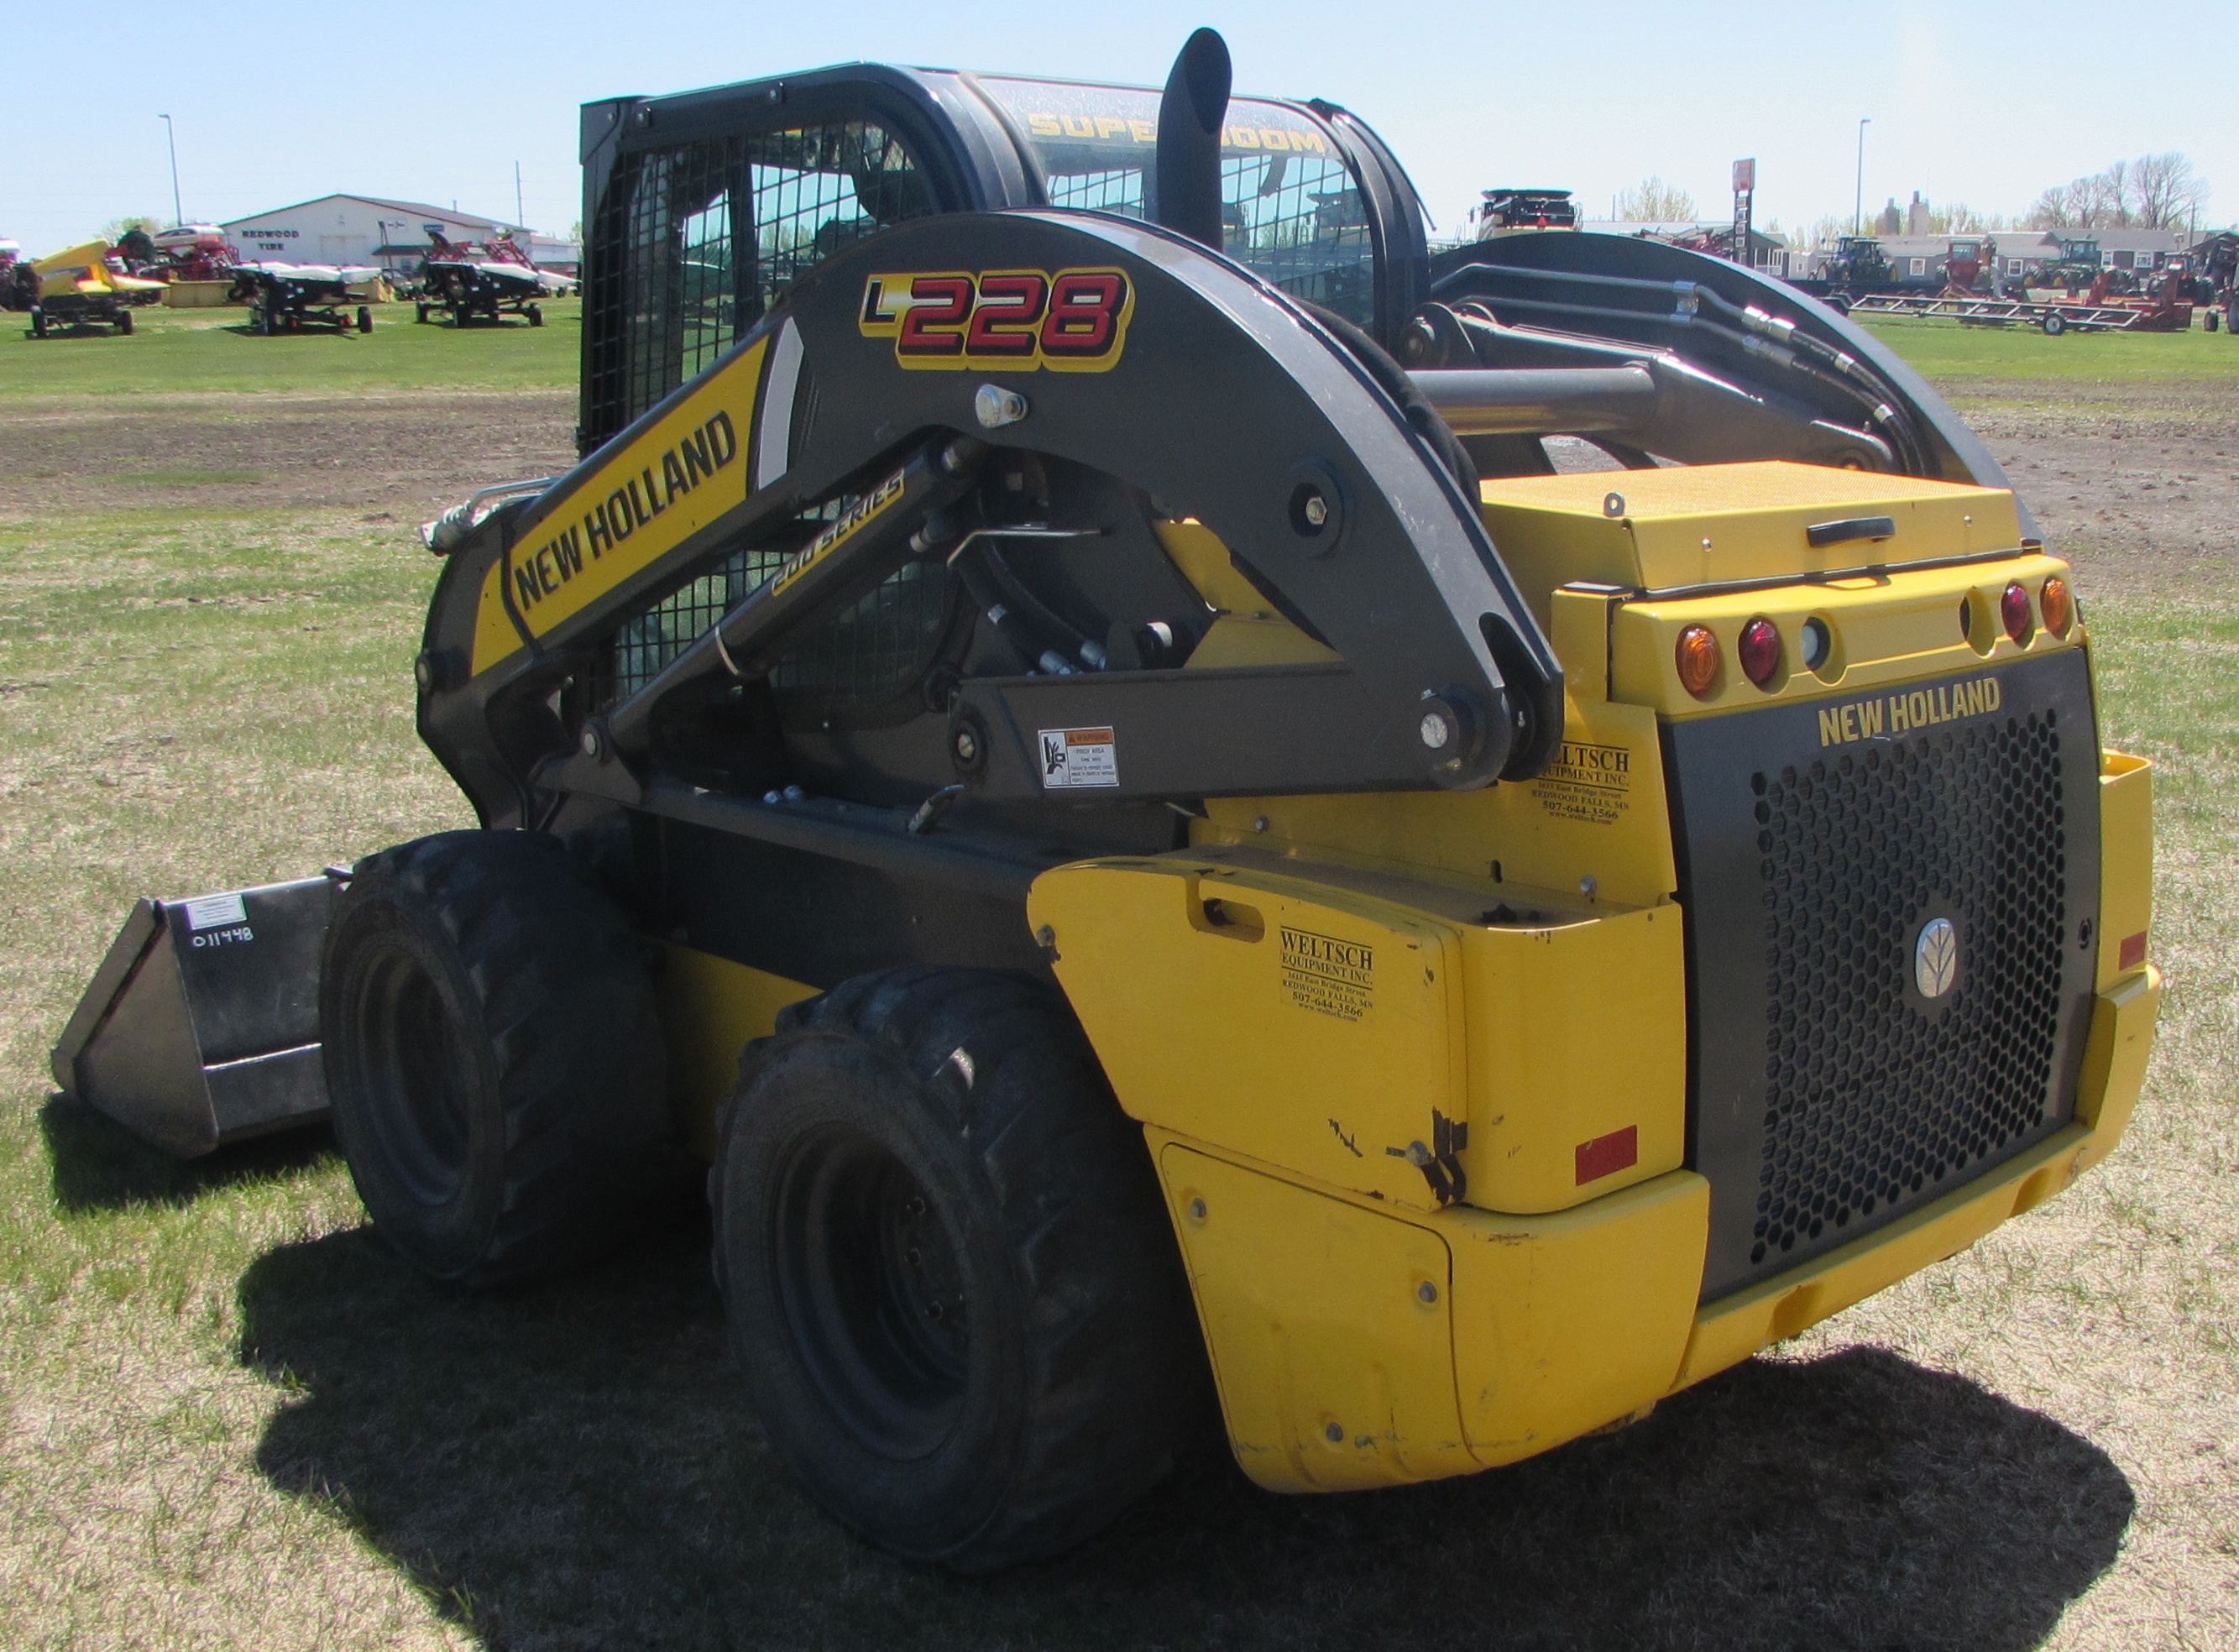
pixel 1071 738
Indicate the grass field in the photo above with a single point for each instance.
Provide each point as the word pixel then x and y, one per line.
pixel 1946 350
pixel 173 351
pixel 229 1418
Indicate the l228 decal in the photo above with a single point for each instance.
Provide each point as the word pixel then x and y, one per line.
pixel 1074 320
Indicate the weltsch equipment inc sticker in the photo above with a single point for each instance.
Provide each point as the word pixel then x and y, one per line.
pixel 1329 975
pixel 1078 757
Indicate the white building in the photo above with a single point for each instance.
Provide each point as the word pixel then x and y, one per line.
pixel 355 229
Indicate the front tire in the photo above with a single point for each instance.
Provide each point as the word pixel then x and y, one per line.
pixel 948 1272
pixel 492 1053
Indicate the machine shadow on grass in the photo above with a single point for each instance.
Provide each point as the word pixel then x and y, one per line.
pixel 570 1466
pixel 98 1164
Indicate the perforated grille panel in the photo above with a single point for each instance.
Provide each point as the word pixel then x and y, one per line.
pixel 1835 1082
pixel 1874 1091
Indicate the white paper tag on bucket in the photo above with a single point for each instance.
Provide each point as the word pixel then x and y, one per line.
pixel 1075 757
pixel 216 911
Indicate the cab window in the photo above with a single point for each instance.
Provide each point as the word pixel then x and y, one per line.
pixel 705 236
pixel 1290 209
pixel 710 236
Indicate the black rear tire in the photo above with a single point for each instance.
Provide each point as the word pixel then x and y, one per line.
pixel 38 321
pixel 535 313
pixel 949 1274
pixel 364 318
pixel 125 322
pixel 492 1052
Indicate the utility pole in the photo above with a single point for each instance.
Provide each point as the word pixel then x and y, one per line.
pixel 519 222
pixel 171 132
pixel 1858 202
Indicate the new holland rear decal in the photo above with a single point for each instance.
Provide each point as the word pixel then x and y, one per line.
pixel 1074 320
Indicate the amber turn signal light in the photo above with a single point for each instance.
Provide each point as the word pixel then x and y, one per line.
pixel 1697 656
pixel 2014 612
pixel 2057 605
pixel 1759 649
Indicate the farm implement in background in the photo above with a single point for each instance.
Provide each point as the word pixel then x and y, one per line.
pixel 483 281
pixel 2164 311
pixel 286 298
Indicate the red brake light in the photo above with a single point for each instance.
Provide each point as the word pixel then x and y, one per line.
pixel 2014 611
pixel 1760 651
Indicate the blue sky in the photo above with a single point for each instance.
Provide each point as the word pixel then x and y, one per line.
pixel 1987 103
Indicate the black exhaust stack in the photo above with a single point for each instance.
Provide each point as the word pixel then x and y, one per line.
pixel 1190 116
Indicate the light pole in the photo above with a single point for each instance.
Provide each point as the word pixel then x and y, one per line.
pixel 1859 202
pixel 171 133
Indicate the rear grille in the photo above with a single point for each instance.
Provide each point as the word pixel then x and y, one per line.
pixel 1873 1091
pixel 1829 1093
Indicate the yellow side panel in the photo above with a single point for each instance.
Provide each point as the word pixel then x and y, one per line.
pixel 1312 1027
pixel 642 500
pixel 2126 861
pixel 1592 829
pixel 1735 1327
pixel 1706 524
pixel 1328 1328
pixel 711 1009
pixel 1564 1322
pixel 2115 1057
pixel 1578 1058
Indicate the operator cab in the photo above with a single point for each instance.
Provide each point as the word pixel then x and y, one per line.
pixel 704 208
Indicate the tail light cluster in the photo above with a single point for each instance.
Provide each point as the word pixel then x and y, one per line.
pixel 2019 615
pixel 1698 655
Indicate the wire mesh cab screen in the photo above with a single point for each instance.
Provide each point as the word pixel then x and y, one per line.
pixel 1290 209
pixel 705 238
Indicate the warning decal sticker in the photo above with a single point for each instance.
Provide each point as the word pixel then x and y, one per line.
pixel 1079 757
pixel 1586 783
pixel 1329 976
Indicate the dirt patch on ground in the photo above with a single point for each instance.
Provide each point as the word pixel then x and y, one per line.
pixel 405 454
pixel 2138 485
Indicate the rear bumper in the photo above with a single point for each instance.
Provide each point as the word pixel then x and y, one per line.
pixel 1330 1317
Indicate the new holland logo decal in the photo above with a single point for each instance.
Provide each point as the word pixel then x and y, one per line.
pixel 1074 320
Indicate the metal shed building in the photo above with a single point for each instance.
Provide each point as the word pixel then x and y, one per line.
pixel 354 229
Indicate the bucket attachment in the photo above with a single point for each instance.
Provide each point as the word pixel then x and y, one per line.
pixel 201 1025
